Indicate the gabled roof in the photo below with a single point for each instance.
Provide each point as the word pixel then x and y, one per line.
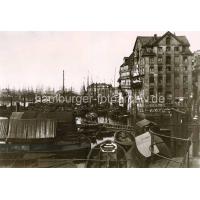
pixel 143 39
pixel 127 60
pixel 182 39
pixel 187 52
pixel 154 40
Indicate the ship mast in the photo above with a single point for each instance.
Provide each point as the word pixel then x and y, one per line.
pixel 63 88
pixel 114 77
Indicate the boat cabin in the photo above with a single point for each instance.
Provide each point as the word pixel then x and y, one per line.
pixel 35 126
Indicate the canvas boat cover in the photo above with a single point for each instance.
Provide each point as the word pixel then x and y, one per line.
pixel 144 123
pixel 31 129
pixel 3 127
pixel 35 125
pixel 26 125
pixel 143 143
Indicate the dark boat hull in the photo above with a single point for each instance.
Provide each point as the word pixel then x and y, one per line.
pixel 21 153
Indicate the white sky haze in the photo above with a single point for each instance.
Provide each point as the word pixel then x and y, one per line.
pixel 32 59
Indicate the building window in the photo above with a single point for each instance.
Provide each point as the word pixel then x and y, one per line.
pixel 168 79
pixel 131 61
pixel 176 82
pixel 168 49
pixel 151 91
pixel 142 61
pixel 183 49
pixel 185 79
pixel 160 50
pixel 176 68
pixel 149 49
pixel 160 59
pixel 160 79
pixel 124 68
pixel 176 60
pixel 185 68
pixel 128 82
pixel 151 79
pixel 176 49
pixel 160 90
pixel 123 82
pixel 141 70
pixel 185 92
pixel 185 59
pixel 168 97
pixel 168 68
pixel 160 68
pixel 168 60
pixel 168 41
pixel 151 60
pixel 151 69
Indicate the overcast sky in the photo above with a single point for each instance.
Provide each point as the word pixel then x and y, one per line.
pixel 31 59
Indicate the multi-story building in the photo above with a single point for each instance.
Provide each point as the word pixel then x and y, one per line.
pixel 125 87
pixel 196 82
pixel 96 89
pixel 100 92
pixel 161 67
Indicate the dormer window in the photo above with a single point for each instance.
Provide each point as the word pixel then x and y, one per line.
pixel 168 41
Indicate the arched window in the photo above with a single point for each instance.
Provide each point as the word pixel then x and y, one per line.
pixel 168 41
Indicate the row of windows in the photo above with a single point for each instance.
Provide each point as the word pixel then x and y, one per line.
pixel 125 74
pixel 169 60
pixel 124 68
pixel 168 79
pixel 168 49
pixel 125 82
pixel 168 68
pixel 160 91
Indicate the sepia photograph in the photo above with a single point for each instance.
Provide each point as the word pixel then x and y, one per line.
pixel 99 99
